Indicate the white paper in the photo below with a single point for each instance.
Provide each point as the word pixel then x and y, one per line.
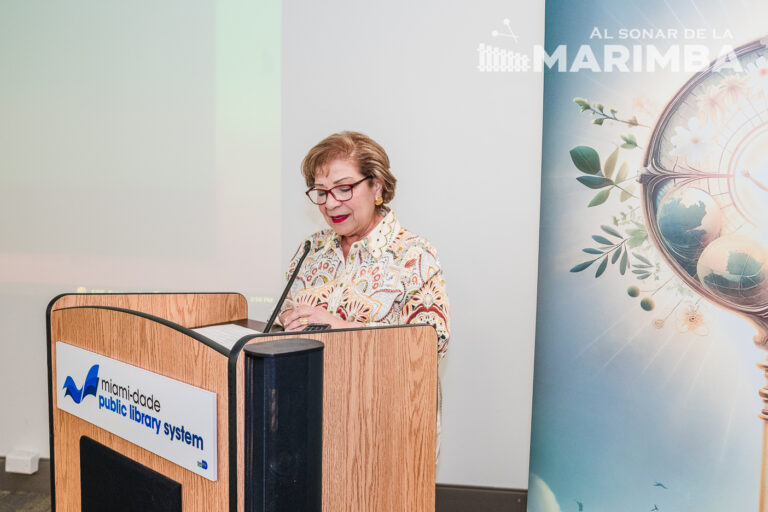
pixel 225 335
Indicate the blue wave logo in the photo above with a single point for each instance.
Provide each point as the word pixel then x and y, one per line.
pixel 90 386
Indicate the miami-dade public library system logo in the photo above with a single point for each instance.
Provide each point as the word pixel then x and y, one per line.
pixel 118 406
pixel 623 50
pixel 128 404
pixel 90 386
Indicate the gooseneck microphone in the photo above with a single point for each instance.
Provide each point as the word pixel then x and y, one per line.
pixel 271 321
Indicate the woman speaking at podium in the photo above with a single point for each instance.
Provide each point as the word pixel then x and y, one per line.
pixel 365 270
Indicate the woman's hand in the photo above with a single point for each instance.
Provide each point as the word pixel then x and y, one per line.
pixel 297 318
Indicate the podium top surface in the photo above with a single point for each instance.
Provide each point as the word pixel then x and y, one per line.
pixel 186 312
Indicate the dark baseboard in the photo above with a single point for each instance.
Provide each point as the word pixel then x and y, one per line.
pixel 39 482
pixel 449 498
pixel 463 498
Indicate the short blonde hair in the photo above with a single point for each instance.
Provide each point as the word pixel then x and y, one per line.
pixel 356 147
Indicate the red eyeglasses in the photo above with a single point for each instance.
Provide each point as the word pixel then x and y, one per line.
pixel 340 193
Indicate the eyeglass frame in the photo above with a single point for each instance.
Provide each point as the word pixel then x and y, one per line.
pixel 330 191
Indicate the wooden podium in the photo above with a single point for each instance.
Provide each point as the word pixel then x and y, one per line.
pixel 379 393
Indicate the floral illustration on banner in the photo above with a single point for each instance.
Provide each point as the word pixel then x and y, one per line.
pixel 622 241
pixel 712 197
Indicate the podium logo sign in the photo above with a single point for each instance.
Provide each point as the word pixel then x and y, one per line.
pixel 167 417
pixel 89 387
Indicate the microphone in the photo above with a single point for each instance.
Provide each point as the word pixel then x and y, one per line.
pixel 273 317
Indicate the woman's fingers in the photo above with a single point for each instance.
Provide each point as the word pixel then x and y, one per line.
pixel 294 326
pixel 293 314
pixel 298 318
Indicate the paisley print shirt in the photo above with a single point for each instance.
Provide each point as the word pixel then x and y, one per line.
pixel 390 277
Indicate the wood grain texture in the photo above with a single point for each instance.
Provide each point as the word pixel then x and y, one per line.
pixel 186 309
pixel 379 414
pixel 157 348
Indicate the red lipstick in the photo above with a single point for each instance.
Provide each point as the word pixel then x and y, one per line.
pixel 340 218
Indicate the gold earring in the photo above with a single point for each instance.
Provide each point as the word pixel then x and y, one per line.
pixel 378 201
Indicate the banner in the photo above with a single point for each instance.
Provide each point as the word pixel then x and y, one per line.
pixel 653 268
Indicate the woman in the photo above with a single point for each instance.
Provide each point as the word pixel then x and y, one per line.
pixel 366 269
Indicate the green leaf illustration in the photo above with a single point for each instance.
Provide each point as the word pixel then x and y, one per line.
pixel 636 237
pixel 601 240
pixel 599 198
pixel 626 193
pixel 630 142
pixel 624 262
pixel 623 171
pixel 610 163
pixel 610 231
pixel 601 268
pixel 642 258
pixel 586 159
pixel 595 181
pixel 615 256
pixel 592 250
pixel 582 266
pixel 599 121
pixel 584 104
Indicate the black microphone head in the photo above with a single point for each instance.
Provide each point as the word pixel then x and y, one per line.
pixel 307 246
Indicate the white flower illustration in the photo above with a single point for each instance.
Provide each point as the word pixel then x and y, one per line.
pixel 693 142
pixel 758 75
pixel 734 87
pixel 712 103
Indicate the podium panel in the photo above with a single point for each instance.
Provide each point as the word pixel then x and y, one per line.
pixel 379 416
pixel 148 344
pixel 378 401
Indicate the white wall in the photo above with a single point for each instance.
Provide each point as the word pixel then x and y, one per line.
pixel 139 151
pixel 465 147
pixel 113 108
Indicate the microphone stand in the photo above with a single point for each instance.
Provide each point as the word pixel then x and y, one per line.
pixel 273 317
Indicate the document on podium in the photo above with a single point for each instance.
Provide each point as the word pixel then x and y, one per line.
pixel 225 335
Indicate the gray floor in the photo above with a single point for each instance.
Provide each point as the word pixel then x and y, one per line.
pixel 32 493
pixel 23 501
pixel 26 493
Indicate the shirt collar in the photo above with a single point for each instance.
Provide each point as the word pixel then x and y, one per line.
pixel 382 235
pixel 379 237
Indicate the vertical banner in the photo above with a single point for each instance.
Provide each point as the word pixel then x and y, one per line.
pixel 652 319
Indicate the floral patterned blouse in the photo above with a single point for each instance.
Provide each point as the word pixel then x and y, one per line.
pixel 390 277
